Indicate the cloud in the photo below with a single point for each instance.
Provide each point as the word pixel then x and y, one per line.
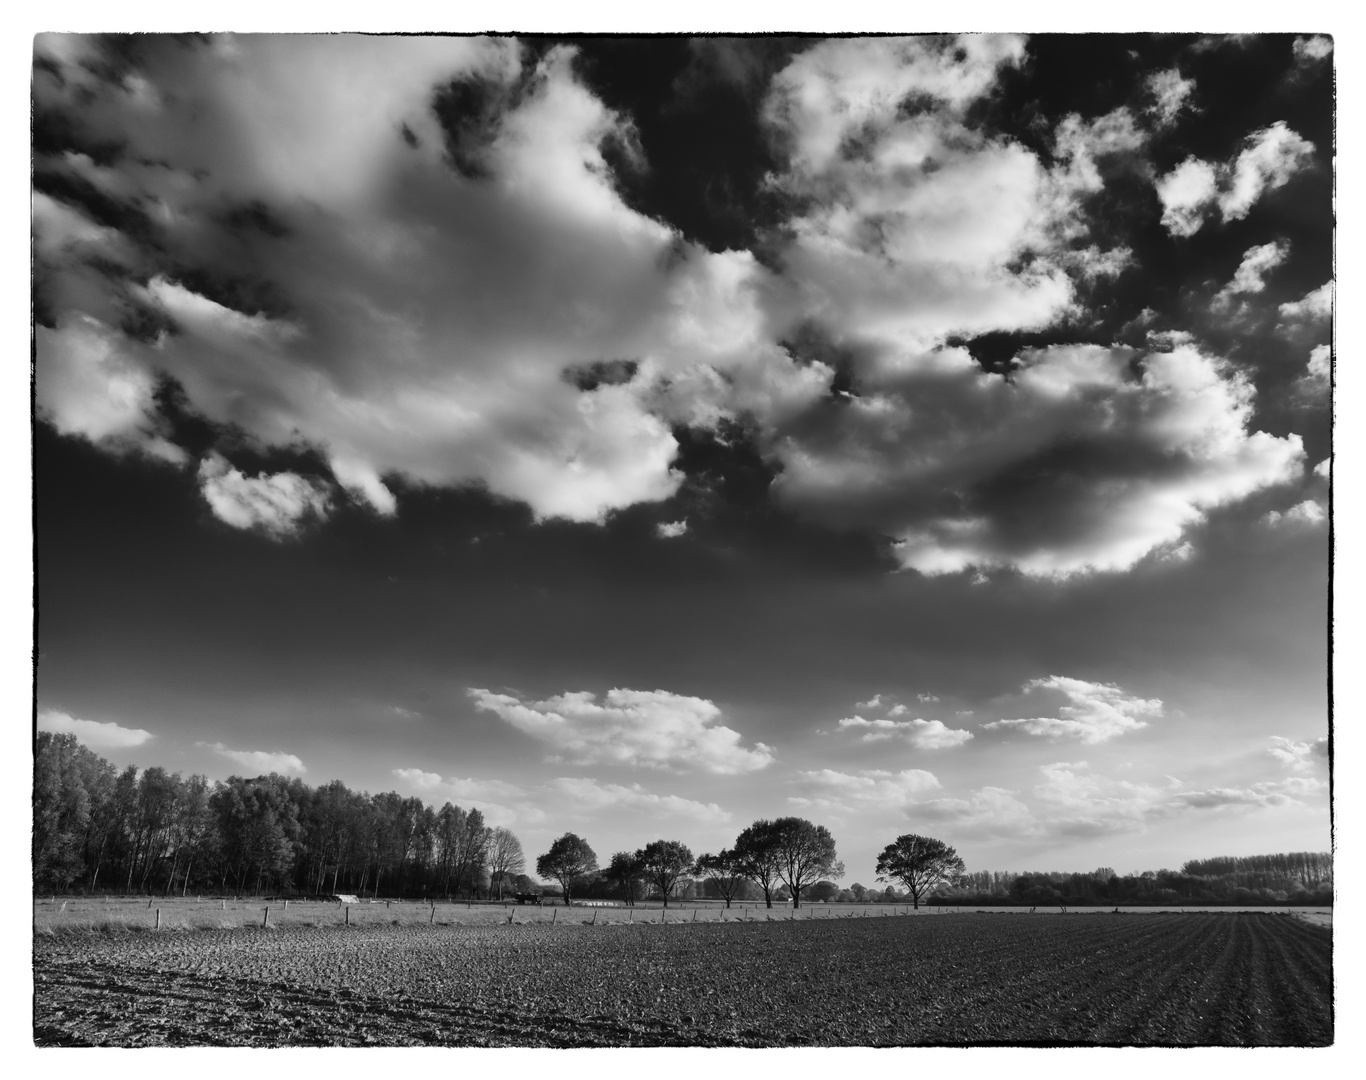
pixel 1170 93
pixel 410 256
pixel 274 504
pixel 873 702
pixel 259 761
pixel 1257 262
pixel 87 385
pixel 986 812
pixel 1268 793
pixel 455 787
pixel 1079 803
pixel 1186 193
pixel 93 733
pixel 1308 513
pixel 869 791
pixel 1324 468
pixel 590 796
pixel 1315 307
pixel 408 304
pixel 1269 158
pixel 912 218
pixel 1309 50
pixel 1299 756
pixel 648 729
pixel 669 529
pixel 1095 713
pixel 1084 459
pixel 922 734
pixel 1318 372
pixel 925 697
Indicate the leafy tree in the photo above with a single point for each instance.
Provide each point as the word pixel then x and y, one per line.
pixel 823 892
pixel 803 853
pixel 663 862
pixel 61 810
pixel 757 857
pixel 918 862
pixel 568 860
pixel 626 873
pixel 723 872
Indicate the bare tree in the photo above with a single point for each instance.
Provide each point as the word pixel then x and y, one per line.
pixel 505 857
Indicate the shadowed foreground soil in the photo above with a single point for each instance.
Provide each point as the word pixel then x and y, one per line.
pixel 1163 979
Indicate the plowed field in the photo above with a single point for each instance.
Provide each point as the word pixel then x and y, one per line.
pixel 1165 979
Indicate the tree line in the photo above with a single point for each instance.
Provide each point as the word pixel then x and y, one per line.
pixel 96 828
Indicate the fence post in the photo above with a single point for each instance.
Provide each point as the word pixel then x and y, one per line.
pixel 286 905
pixel 149 903
pixel 432 920
pixel 553 913
pixel 225 903
pixel 265 919
pixel 158 918
pixel 348 914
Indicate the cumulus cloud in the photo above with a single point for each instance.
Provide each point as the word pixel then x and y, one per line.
pixel 667 530
pixel 1079 803
pixel 922 734
pixel 646 728
pixel 987 812
pixel 1309 50
pixel 913 218
pixel 93 733
pixel 410 256
pixel 276 504
pixel 1191 191
pixel 1257 262
pixel 259 761
pixel 1315 307
pixel 1267 793
pixel 1095 713
pixel 1085 458
pixel 425 289
pixel 872 790
pixel 1170 93
pixel 1308 513
pixel 590 796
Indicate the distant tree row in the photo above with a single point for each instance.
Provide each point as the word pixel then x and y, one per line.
pixel 788 853
pixel 98 829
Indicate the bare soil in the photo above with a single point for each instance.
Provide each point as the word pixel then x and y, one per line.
pixel 1158 979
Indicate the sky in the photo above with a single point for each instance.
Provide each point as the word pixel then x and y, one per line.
pixel 642 437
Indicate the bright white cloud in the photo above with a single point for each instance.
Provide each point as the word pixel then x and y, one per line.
pixel 1312 48
pixel 1170 93
pixel 1310 512
pixel 93 733
pixel 922 734
pixel 1186 193
pixel 1269 158
pixel 590 796
pixel 669 529
pixel 259 761
pixel 276 504
pixel 912 217
pixel 1257 262
pixel 1095 712
pixel 644 728
pixel 937 423
pixel 1315 306
pixel 87 385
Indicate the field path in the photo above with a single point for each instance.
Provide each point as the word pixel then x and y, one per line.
pixel 1162 979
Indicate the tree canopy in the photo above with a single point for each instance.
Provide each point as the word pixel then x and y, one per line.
pixel 663 862
pixel 725 870
pixel 568 861
pixel 918 862
pixel 803 854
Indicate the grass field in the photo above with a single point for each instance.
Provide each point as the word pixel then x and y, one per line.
pixel 395 977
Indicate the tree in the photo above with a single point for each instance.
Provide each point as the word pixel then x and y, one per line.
pixel 625 872
pixel 918 862
pixel 568 860
pixel 824 892
pixel 803 853
pixel 723 871
pixel 757 857
pixel 505 857
pixel 663 862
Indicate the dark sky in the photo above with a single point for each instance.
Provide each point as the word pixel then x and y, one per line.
pixel 643 436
